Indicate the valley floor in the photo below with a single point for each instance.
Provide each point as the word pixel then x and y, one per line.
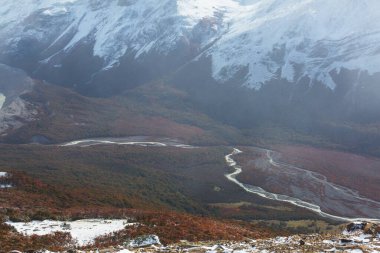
pixel 162 188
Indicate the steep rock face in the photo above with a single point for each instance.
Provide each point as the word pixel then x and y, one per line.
pixel 15 111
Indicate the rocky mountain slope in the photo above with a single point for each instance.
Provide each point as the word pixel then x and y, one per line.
pixel 257 40
pixel 308 66
pixel 14 110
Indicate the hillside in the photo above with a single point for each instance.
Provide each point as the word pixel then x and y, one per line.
pixel 189 126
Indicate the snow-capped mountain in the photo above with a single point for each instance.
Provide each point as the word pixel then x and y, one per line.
pixel 113 28
pixel 293 39
pixel 269 39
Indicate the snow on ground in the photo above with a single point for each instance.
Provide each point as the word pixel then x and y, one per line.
pixel 296 243
pixel 363 238
pixel 83 231
pixel 124 251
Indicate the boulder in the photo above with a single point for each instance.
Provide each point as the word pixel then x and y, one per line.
pixel 354 226
pixel 144 241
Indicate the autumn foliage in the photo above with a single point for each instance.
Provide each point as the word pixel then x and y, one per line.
pixel 172 227
pixel 10 240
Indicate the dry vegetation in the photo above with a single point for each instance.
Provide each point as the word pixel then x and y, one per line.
pixel 169 226
pixel 150 110
pixel 11 240
pixel 172 227
pixel 129 177
pixel 68 183
pixel 361 173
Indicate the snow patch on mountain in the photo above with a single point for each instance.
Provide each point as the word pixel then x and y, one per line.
pixel 141 26
pixel 293 39
pixel 2 100
pixel 196 10
pixel 114 27
pixel 55 11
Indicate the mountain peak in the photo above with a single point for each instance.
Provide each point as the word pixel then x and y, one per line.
pixel 271 39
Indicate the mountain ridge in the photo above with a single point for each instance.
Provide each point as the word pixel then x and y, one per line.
pixel 289 40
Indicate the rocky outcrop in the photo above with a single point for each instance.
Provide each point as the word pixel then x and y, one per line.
pixel 144 241
pixel 15 111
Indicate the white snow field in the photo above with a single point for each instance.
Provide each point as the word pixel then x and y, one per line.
pixel 83 231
